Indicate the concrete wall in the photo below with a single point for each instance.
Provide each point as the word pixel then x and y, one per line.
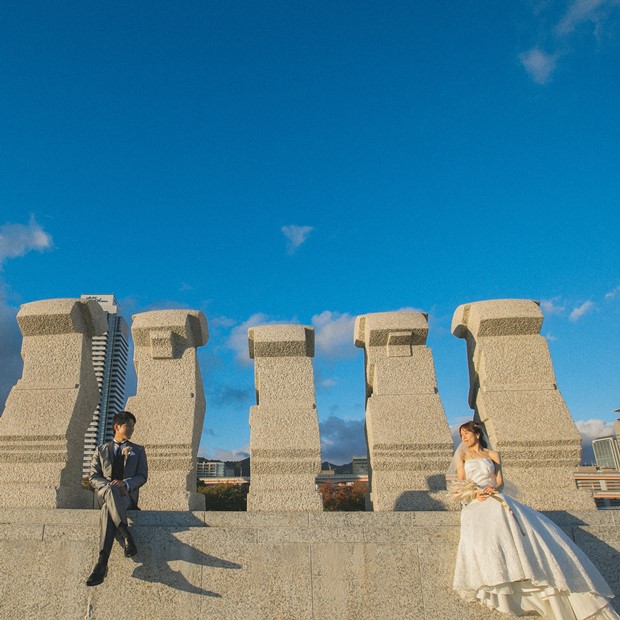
pixel 247 566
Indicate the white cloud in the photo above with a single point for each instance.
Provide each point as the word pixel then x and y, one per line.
pixel 613 293
pixel 551 338
pixel 238 339
pixel 581 11
pixel 579 311
pixel 334 334
pixel 328 383
pixel 551 306
pixel 15 240
pixel 19 239
pixel 538 64
pixel 589 430
pixel 295 236
pixel 221 321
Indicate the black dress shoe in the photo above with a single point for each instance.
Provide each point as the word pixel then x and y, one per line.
pixel 98 575
pixel 130 546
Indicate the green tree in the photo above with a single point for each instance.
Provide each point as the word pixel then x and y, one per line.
pixel 224 496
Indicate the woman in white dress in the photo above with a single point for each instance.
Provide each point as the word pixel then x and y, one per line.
pixel 512 558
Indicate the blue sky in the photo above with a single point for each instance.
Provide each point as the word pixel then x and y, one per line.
pixel 310 162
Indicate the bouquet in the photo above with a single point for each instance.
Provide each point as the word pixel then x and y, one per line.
pixel 466 491
pixel 462 492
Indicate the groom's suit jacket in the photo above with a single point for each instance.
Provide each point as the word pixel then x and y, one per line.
pixel 135 471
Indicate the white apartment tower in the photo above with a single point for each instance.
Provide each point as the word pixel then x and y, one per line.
pixel 110 353
pixel 606 452
pixel 607 449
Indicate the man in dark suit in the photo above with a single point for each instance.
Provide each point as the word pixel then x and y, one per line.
pixel 117 470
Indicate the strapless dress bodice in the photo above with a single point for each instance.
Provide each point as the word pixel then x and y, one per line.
pixel 481 472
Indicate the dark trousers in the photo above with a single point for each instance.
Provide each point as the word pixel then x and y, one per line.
pixel 113 517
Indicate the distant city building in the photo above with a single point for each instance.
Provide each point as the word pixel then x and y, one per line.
pixel 345 475
pixel 604 479
pixel 110 353
pixel 607 450
pixel 214 469
pixel 359 466
pixel 603 483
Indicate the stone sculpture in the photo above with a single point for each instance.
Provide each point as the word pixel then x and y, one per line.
pixel 285 448
pixel 409 441
pixel 514 394
pixel 49 409
pixel 169 404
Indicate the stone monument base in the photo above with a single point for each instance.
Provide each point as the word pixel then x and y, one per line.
pixel 271 566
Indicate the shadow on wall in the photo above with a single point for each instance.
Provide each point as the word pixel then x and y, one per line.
pixel 164 546
pixel 605 557
pixel 423 500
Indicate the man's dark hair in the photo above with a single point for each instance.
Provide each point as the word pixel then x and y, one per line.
pixel 122 417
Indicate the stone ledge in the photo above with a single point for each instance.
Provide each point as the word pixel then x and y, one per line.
pixel 271 566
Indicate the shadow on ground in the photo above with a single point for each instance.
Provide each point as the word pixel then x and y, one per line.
pixel 166 546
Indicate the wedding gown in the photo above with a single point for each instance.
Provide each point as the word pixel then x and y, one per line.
pixel 541 572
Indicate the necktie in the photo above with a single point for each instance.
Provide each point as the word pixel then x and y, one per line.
pixel 117 463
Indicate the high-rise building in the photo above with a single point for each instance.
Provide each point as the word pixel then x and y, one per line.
pixel 110 353
pixel 607 449
pixel 606 452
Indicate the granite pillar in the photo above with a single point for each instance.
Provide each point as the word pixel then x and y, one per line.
pixel 48 411
pixel 169 405
pixel 285 448
pixel 409 441
pixel 514 394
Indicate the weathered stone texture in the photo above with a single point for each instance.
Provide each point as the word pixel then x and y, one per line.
pixel 409 441
pixel 514 394
pixel 169 404
pixel 257 566
pixel 285 448
pixel 49 409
